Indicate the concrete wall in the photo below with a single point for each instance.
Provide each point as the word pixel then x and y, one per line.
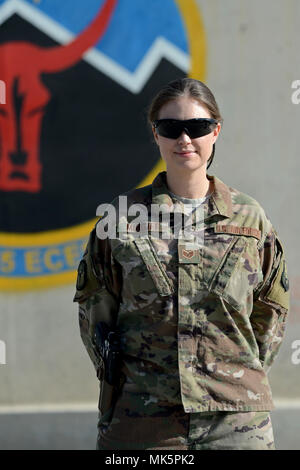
pixel 252 62
pixel 49 392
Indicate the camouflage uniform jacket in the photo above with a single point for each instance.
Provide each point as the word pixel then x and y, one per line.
pixel 200 324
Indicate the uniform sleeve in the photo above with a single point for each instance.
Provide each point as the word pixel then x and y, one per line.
pixel 98 290
pixel 271 300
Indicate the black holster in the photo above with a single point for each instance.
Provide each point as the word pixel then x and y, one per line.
pixel 108 344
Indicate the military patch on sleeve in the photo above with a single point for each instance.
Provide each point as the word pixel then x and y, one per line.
pixel 284 279
pixel 234 230
pixel 278 293
pixel 82 275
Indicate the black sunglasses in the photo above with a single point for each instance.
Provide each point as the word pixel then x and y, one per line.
pixel 173 128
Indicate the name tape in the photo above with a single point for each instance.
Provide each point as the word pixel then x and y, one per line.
pixel 232 229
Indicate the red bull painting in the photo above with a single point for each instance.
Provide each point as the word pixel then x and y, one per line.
pixel 76 78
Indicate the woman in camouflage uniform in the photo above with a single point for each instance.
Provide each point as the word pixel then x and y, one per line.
pixel 201 312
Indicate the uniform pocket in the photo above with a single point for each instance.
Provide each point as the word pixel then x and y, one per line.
pixel 143 271
pixel 90 278
pixel 278 291
pixel 154 267
pixel 238 272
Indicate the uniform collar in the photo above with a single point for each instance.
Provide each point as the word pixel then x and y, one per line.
pixel 221 197
pixel 220 201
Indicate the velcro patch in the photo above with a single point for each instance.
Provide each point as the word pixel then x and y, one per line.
pixel 81 275
pixel 284 279
pixel 89 276
pixel 188 254
pixel 132 227
pixel 279 290
pixel 234 230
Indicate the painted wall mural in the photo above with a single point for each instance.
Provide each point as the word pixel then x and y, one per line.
pixel 78 78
